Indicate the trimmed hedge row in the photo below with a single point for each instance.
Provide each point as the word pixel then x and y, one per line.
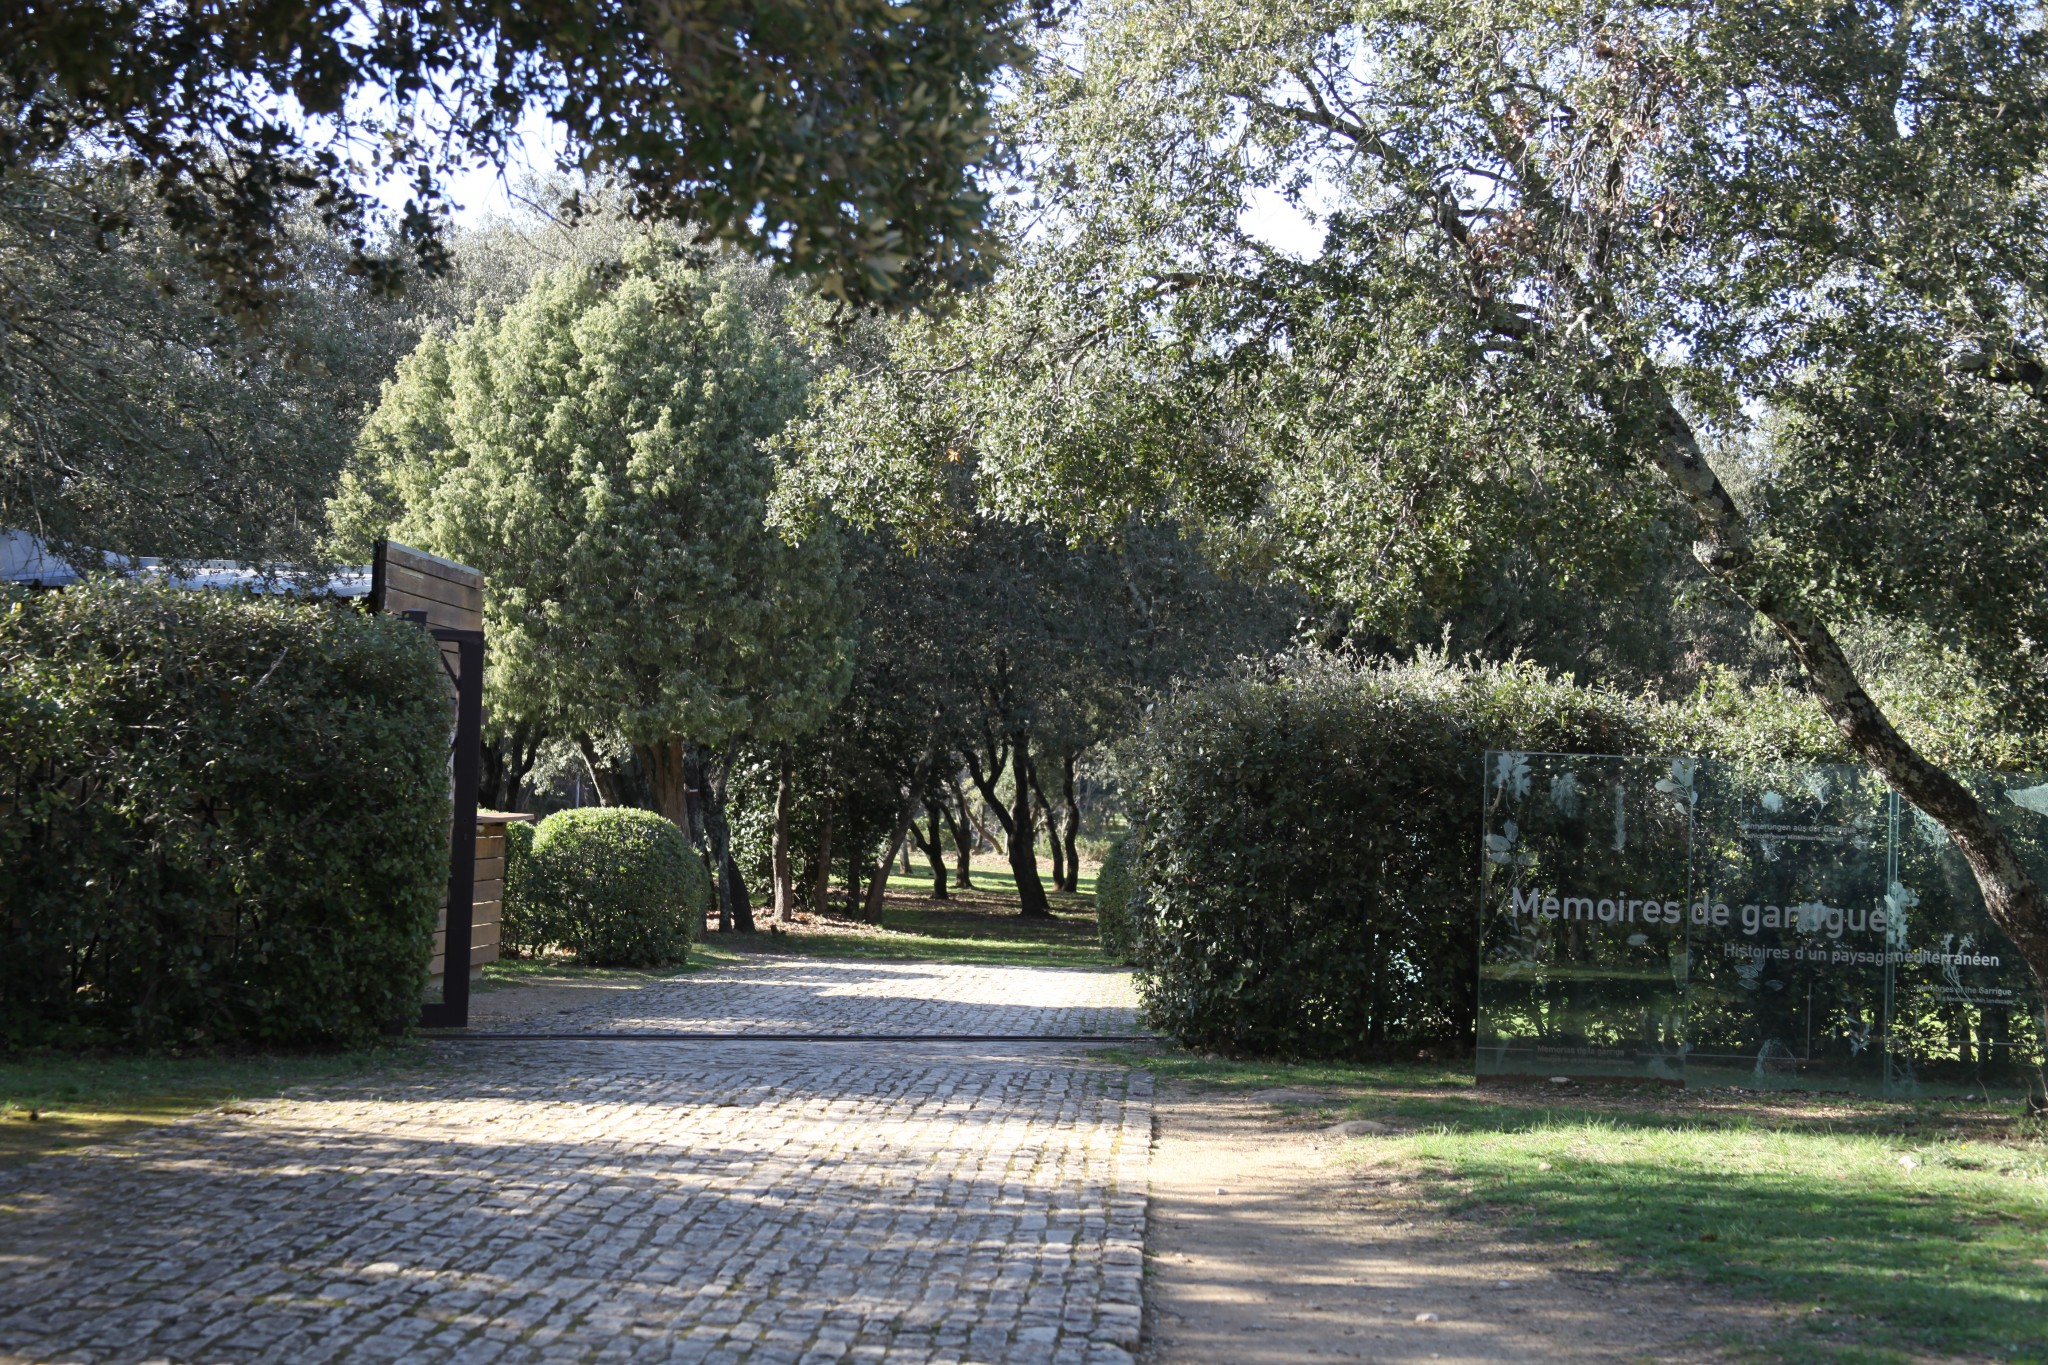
pixel 1306 850
pixel 1304 869
pixel 223 818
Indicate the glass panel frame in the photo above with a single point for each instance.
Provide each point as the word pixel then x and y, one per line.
pixel 1762 926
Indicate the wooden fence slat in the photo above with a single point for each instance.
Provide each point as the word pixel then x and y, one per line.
pixel 400 583
pixel 421 562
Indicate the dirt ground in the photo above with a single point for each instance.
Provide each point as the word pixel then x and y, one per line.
pixel 1266 1246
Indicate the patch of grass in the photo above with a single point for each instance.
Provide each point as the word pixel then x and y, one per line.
pixel 55 1102
pixel 979 924
pixel 558 967
pixel 1889 1261
pixel 1894 1230
pixel 948 935
pixel 994 879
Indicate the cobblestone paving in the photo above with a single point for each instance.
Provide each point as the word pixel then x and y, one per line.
pixel 810 995
pixel 593 1201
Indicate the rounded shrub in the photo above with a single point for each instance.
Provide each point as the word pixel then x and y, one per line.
pixel 620 887
pixel 223 817
pixel 1117 901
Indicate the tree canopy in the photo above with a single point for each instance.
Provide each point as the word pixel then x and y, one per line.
pixel 1586 272
pixel 596 452
pixel 135 417
pixel 846 139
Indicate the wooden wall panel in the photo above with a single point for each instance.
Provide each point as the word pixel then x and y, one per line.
pixel 404 579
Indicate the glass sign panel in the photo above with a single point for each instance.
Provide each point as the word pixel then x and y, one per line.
pixel 1787 926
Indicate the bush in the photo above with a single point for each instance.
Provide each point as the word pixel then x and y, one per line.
pixel 520 930
pixel 620 887
pixel 1305 869
pixel 1117 901
pixel 1305 847
pixel 224 818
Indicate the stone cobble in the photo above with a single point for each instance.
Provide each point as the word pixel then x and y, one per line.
pixel 799 995
pixel 590 1201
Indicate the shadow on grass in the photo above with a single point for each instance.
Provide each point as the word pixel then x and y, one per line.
pixel 978 924
pixel 58 1101
pixel 1896 1229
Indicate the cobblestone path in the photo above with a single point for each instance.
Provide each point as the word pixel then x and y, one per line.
pixel 622 1201
pixel 812 995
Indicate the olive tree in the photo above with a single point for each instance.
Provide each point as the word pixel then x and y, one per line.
pixel 1764 279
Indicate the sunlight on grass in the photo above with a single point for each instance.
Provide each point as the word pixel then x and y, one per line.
pixel 1895 1246
pixel 1896 1229
pixel 552 967
pixel 974 924
pixel 51 1102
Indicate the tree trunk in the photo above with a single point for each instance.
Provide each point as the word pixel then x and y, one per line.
pixel 508 756
pixel 668 765
pixel 853 880
pixel 1017 824
pixel 933 848
pixel 904 814
pixel 695 827
pixel 1727 552
pixel 782 891
pixel 1073 824
pixel 1052 833
pixel 735 902
pixel 602 779
pixel 821 889
pixel 963 835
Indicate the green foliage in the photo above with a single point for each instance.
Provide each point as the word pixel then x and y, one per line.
pixel 1904 493
pixel 1354 287
pixel 521 927
pixel 847 140
pixel 595 450
pixel 224 818
pixel 1118 901
pixel 142 421
pixel 1943 714
pixel 1305 845
pixel 616 887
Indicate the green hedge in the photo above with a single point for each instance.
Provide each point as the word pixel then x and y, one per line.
pixel 1305 867
pixel 615 886
pixel 1115 914
pixel 519 918
pixel 223 819
pixel 1306 846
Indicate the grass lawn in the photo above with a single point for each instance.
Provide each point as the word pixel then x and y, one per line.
pixel 980 925
pixel 1895 1230
pixel 52 1102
